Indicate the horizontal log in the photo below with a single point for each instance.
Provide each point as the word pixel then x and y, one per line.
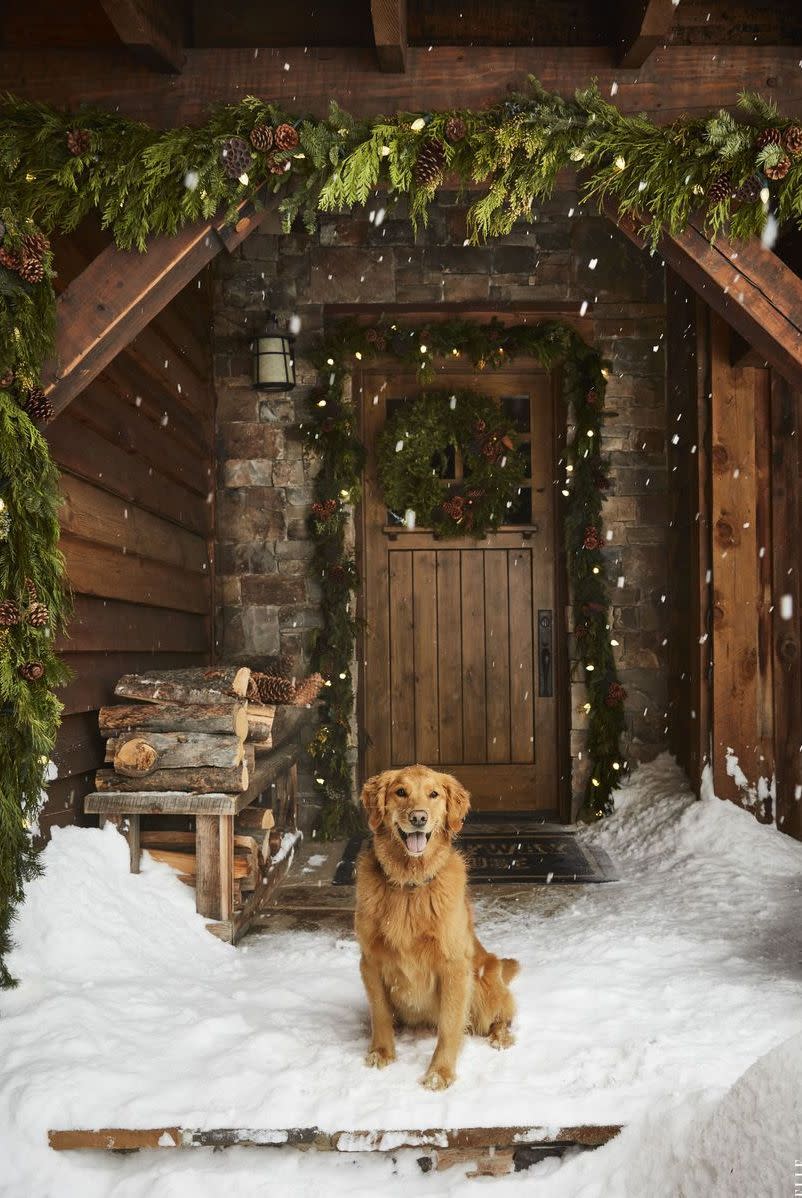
pixel 212 685
pixel 272 731
pixel 164 802
pixel 197 780
pixel 380 1141
pixel 149 751
pixel 174 717
pixel 256 817
pixel 95 674
pixel 676 79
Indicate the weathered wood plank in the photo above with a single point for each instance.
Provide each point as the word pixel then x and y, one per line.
pixel 384 1141
pixel 98 570
pixel 675 80
pixel 402 658
pixel 212 684
pixel 174 717
pixel 449 655
pixel 644 25
pixel 215 866
pixel 90 512
pixel 389 20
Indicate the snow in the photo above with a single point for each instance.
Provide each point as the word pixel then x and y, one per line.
pixel 670 1001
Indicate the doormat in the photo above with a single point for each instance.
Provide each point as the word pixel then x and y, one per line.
pixel 513 852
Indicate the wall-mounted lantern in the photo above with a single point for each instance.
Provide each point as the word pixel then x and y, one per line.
pixel 273 358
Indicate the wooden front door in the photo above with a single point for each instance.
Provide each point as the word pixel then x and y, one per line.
pixel 459 668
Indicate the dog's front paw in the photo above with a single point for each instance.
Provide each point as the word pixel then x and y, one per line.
pixel 500 1036
pixel 379 1058
pixel 439 1078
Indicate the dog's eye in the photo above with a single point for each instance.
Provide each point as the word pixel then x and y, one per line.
pixel 433 795
pixel 402 794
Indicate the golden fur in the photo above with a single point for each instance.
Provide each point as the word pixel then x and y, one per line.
pixel 422 964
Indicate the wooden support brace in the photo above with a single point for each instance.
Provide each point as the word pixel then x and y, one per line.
pixel 135 841
pixel 644 25
pixel 389 18
pixel 215 866
pixel 150 29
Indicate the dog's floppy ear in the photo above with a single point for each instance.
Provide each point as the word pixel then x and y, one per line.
pixel 458 803
pixel 372 797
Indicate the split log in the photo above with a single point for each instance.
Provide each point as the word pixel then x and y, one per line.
pixel 140 755
pixel 212 686
pixel 256 817
pixel 270 726
pixel 174 717
pixel 187 863
pixel 204 780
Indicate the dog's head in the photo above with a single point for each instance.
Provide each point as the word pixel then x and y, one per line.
pixel 415 807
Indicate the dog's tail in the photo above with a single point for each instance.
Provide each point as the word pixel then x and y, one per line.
pixel 510 968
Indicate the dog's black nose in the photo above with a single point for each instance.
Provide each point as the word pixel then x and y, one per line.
pixel 418 819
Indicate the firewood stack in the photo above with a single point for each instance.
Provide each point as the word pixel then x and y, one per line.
pixel 198 731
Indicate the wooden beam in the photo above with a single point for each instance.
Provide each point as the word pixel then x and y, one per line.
pixel 427 1139
pixel 747 285
pixel 674 81
pixel 644 25
pixel 389 18
pixel 121 291
pixel 151 30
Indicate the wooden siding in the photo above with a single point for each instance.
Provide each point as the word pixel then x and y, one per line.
pixel 136 451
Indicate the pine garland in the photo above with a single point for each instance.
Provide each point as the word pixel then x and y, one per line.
pixel 332 435
pixel 56 167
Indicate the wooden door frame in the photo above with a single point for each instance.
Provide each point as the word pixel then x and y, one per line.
pixel 562 694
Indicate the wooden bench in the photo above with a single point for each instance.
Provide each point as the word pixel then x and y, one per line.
pixel 215 816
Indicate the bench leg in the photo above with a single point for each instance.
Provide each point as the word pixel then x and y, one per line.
pixel 135 842
pixel 214 879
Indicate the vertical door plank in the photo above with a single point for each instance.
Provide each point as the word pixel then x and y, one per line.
pixel 427 715
pixel 449 654
pixel 474 706
pixel 497 649
pixel 522 656
pixel 402 660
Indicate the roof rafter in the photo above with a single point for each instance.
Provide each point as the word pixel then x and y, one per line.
pixel 643 26
pixel 151 30
pixel 389 18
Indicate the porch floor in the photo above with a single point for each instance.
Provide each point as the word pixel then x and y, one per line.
pixel 641 1003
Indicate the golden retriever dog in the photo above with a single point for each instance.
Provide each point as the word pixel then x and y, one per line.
pixel 421 963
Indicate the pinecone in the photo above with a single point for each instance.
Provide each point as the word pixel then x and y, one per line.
pixel 35 245
pixel 235 156
pixel 592 397
pixel 768 137
pixel 454 508
pixel 31 269
pixel 428 170
pixel 10 613
pixel 374 337
pixel 79 142
pixel 275 165
pixel 37 614
pixel 31 671
pixel 779 170
pixel 616 694
pixel 286 137
pixel 270 688
pixel 455 129
pixel 592 539
pixel 262 138
pixel 324 509
pixel 37 405
pixel 720 189
pixel 9 259
pixel 749 191
pixel 308 690
pixel 793 140
pixel 337 573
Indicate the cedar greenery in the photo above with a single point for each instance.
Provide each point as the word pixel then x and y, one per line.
pixel 412 462
pixel 332 434
pixel 57 167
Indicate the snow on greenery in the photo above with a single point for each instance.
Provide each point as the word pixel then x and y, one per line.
pixel 642 1002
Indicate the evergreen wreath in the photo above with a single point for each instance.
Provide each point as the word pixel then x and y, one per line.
pixel 411 471
pixel 56 167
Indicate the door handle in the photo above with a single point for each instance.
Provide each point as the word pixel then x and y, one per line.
pixel 545 626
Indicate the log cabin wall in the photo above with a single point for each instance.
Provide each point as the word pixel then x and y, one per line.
pixel 267 598
pixel 136 452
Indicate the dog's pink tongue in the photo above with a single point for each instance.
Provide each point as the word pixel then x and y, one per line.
pixel 416 842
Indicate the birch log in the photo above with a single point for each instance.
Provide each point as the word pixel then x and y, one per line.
pixel 214 685
pixel 174 717
pixel 136 756
pixel 200 780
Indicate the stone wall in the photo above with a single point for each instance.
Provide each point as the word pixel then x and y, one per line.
pixel 266 597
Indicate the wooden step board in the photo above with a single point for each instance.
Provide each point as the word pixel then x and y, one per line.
pixel 485 1151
